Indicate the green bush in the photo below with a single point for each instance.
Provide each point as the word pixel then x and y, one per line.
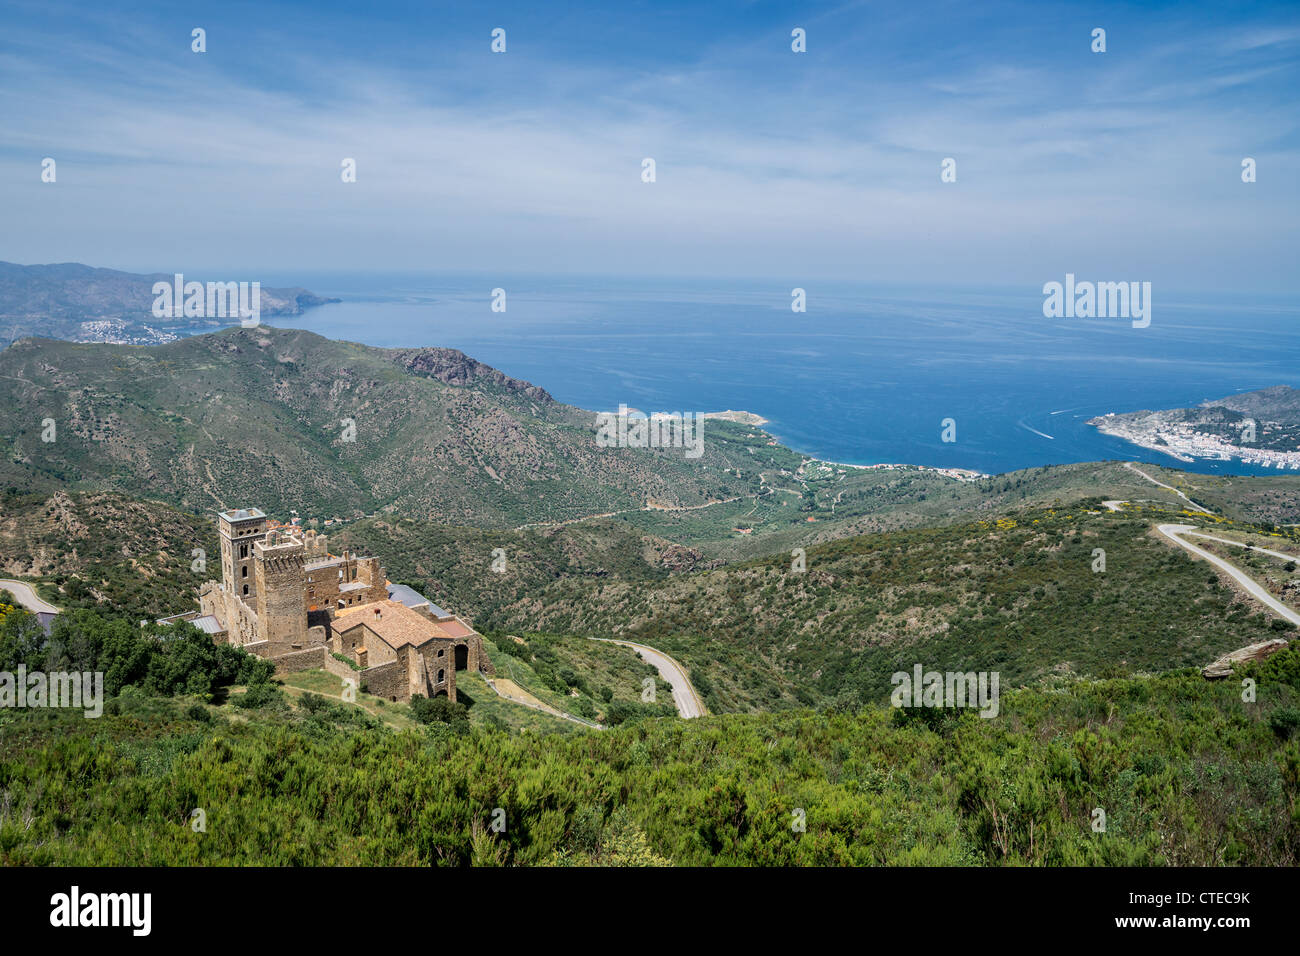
pixel 1285 721
pixel 259 696
pixel 439 710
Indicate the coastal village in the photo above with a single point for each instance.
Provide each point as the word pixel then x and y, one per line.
pixel 1184 442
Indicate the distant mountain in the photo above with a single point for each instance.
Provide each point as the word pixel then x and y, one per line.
pixel 290 420
pixel 1280 404
pixel 83 304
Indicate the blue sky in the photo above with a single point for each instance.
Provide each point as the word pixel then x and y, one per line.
pixel 796 167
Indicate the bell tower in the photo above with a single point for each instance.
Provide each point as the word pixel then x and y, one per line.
pixel 241 530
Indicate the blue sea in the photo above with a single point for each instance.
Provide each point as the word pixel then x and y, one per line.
pixel 866 375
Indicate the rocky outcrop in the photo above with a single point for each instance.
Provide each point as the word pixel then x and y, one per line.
pixel 454 367
pixel 1251 652
pixel 682 559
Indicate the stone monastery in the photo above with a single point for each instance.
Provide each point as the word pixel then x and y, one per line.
pixel 284 597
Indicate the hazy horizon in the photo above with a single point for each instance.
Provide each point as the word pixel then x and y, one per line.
pixel 821 165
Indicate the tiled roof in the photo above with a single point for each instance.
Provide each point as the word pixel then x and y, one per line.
pixel 395 624
pixel 455 628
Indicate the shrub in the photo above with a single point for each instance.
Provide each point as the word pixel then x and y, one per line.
pixel 439 710
pixel 1285 721
pixel 260 695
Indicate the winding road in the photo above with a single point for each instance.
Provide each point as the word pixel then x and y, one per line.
pixel 27 597
pixel 1257 591
pixel 1132 467
pixel 685 696
pixel 1248 547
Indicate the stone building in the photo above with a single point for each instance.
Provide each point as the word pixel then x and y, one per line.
pixel 285 597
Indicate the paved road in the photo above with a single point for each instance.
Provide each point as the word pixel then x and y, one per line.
pixel 685 697
pixel 1132 467
pixel 517 695
pixel 27 597
pixel 1256 590
pixel 1241 544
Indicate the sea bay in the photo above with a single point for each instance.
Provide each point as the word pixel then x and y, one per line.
pixel 867 374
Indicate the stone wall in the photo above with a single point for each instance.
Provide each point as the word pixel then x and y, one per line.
pixel 335 666
pixel 313 658
pixel 476 656
pixel 281 607
pixel 239 620
pixel 386 680
pixel 433 664
pixel 324 582
pixel 485 664
pixel 358 635
pixel 274 649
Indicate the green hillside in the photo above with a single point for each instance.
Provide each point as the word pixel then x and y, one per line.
pixel 103 550
pixel 1186 773
pixel 290 420
pixel 1016 595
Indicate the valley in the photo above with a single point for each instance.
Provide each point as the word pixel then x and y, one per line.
pixel 783 591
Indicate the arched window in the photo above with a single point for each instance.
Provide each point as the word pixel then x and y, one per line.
pixel 244 571
pixel 245 590
pixel 440 673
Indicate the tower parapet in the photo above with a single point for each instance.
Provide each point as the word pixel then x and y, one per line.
pixel 241 530
pixel 281 608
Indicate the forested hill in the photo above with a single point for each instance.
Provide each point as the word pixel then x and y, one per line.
pixel 290 420
pixel 1020 594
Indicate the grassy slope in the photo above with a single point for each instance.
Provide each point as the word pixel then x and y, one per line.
pixel 604 676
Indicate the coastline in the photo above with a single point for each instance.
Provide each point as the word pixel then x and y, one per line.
pixel 739 417
pixel 960 474
pixel 1183 444
pixel 750 418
